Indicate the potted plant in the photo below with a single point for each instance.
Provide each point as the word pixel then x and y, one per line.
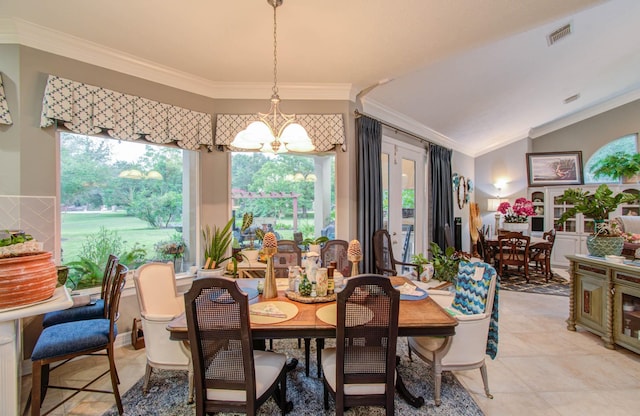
pixel 424 268
pixel 313 244
pixel 445 263
pixel 172 249
pixel 251 252
pixel 216 242
pixel 606 239
pixel 618 165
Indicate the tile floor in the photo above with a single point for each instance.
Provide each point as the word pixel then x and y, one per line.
pixel 541 368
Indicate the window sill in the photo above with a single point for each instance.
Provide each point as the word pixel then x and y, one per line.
pixel 182 279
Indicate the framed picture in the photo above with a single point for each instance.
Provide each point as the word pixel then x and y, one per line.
pixel 554 168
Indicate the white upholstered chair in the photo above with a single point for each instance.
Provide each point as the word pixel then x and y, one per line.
pixel 159 303
pixel 465 350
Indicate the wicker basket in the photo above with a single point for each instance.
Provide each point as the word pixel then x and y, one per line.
pixel 26 279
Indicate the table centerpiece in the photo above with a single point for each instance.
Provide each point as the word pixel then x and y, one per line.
pixel 516 217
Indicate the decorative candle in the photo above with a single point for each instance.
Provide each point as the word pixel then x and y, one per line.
pixel 270 247
pixel 354 254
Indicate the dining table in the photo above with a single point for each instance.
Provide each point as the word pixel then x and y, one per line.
pixel 419 317
pixel 534 243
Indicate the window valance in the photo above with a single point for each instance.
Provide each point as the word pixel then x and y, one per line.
pixel 87 109
pixel 5 116
pixel 325 130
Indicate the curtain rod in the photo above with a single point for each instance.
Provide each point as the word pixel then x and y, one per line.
pixel 358 114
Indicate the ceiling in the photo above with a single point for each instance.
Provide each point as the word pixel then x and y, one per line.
pixel 472 75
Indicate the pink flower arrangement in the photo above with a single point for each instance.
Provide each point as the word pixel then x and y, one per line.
pixel 631 237
pixel 519 212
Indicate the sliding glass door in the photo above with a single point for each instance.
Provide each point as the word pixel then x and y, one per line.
pixel 404 197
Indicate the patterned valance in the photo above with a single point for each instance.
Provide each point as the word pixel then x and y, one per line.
pixel 325 130
pixel 5 116
pixel 87 109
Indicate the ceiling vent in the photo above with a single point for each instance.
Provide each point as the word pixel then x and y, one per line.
pixel 571 99
pixel 559 33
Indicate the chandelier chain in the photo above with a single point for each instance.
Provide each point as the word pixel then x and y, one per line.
pixel 275 52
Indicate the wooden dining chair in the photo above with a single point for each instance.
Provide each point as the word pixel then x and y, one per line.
pixel 288 254
pixel 230 376
pixel 336 250
pixel 448 236
pixel 63 342
pixel 94 310
pixel 332 250
pixel 361 369
pixel 513 250
pixel 541 253
pixel 385 261
pixel 485 250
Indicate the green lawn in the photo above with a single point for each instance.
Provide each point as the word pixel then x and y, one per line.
pixel 76 226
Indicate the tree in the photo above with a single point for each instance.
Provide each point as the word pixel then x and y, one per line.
pixel 85 171
pixel 275 175
pixel 159 210
pixel 244 168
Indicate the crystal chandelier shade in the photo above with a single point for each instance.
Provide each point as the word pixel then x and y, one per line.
pixel 274 132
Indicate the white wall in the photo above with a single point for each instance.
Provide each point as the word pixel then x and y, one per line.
pixel 508 164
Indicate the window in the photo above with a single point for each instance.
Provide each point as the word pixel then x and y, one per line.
pixel 286 193
pixel 126 198
pixel 627 144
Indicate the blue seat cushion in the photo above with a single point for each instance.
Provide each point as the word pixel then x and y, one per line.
pixel 71 337
pixel 80 313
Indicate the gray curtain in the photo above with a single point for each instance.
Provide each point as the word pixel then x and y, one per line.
pixel 441 192
pixel 369 149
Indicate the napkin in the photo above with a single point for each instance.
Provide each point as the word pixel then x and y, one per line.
pixel 269 309
pixel 409 290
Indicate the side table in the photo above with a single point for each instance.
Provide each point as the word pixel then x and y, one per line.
pixel 11 346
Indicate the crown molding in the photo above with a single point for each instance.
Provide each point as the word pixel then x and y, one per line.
pixel 39 37
pixel 392 117
pixel 584 114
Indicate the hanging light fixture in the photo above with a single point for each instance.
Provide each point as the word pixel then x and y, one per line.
pixel 275 132
pixel 136 174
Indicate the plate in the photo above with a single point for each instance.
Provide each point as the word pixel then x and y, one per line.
pixel 329 314
pixel 423 295
pixel 226 297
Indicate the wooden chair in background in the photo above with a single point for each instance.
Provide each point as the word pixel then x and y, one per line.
pixel 289 254
pixel 336 250
pixel 513 250
pixel 448 236
pixel 541 253
pixel 386 263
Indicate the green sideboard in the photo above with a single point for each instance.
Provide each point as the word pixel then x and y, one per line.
pixel 605 300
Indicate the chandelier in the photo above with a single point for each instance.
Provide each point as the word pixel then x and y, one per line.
pixel 275 132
